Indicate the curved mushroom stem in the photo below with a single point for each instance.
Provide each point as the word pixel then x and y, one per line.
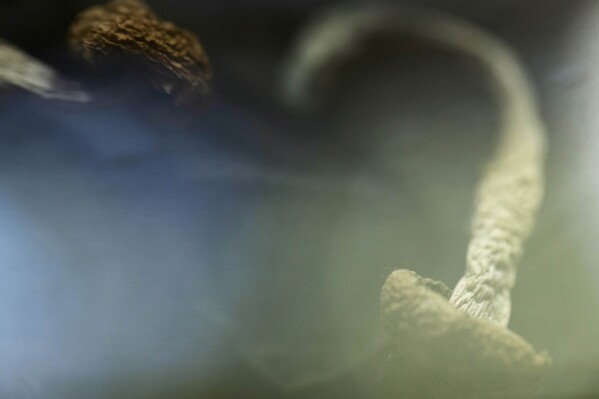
pixel 510 191
pixel 463 338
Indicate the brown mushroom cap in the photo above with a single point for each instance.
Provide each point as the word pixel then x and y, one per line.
pixel 173 58
pixel 463 355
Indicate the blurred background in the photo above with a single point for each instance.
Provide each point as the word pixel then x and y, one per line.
pixel 238 250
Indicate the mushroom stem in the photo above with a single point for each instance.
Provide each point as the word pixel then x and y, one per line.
pixel 21 70
pixel 510 190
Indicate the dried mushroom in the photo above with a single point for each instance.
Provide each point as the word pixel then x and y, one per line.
pixel 173 58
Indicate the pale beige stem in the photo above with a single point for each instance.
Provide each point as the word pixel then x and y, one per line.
pixel 511 189
pixel 462 343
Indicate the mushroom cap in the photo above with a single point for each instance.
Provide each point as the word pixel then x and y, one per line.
pixel 473 357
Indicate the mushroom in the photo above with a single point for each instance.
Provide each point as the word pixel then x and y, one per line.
pixel 459 338
pixel 173 58
pixel 21 70
pixel 458 355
